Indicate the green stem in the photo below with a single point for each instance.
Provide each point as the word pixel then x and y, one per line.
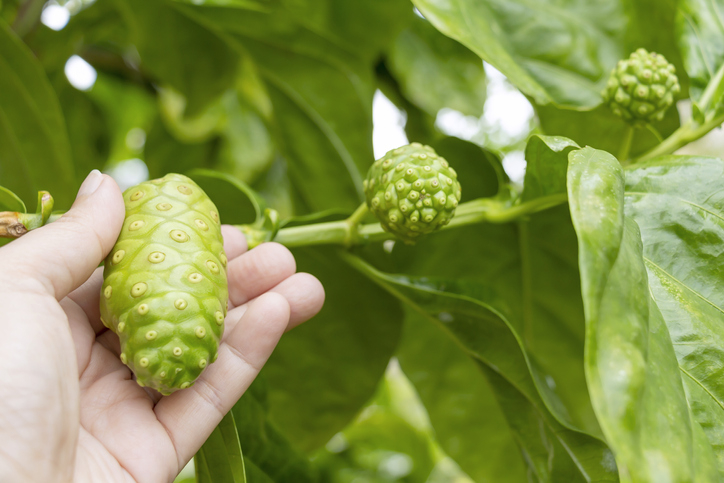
pixel 484 210
pixel 689 132
pixel 626 145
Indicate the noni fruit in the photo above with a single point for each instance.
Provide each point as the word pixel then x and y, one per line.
pixel 165 291
pixel 412 191
pixel 642 87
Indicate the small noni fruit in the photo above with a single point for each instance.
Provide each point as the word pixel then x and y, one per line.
pixel 412 191
pixel 165 290
pixel 642 87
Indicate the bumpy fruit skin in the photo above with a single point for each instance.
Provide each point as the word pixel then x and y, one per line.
pixel 412 191
pixel 642 87
pixel 165 290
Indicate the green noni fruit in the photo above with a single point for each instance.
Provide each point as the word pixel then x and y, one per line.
pixel 165 291
pixel 412 191
pixel 642 87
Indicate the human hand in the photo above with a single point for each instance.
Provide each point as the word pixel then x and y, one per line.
pixel 69 409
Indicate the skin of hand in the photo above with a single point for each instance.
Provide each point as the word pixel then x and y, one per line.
pixel 69 409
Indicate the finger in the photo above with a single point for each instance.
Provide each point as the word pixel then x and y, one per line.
pixel 63 254
pixel 234 241
pixel 190 415
pixel 87 297
pixel 258 270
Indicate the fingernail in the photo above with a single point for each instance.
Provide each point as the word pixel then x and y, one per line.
pixel 91 183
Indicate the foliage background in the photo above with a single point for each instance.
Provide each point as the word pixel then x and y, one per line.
pixel 534 350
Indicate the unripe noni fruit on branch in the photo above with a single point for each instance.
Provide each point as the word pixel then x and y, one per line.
pixel 165 289
pixel 412 191
pixel 642 87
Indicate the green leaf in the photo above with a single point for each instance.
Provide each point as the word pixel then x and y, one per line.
pixel 34 147
pixel 547 158
pixel 631 367
pixel 265 447
pixel 9 201
pixel 207 66
pixel 220 458
pixel 236 201
pixel 322 373
pixel 554 449
pixel 461 405
pixel 435 72
pixel 555 52
pixel 479 170
pixel 676 202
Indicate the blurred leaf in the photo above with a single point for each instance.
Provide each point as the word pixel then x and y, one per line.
pixel 555 450
pixel 435 72
pixel 264 446
pixel 631 368
pixel 34 148
pixel 322 373
pixel 163 153
pixel 461 405
pixel 601 129
pixel 678 205
pixel 220 457
pixel 88 130
pixel 9 201
pixel 207 64
pixel 236 201
pixel 556 52
pixel 701 41
pixel 479 170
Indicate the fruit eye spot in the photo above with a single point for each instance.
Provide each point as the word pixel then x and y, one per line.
pixel 164 206
pixel 124 359
pixel 180 304
pixel 136 225
pixel 202 363
pixel 179 236
pixel 138 289
pixel 137 195
pixel 200 332
pixel 184 190
pixel 177 351
pixel 162 374
pixel 223 259
pixel 201 224
pixel 118 256
pixel 143 362
pixel 219 317
pixel 151 334
pixel 214 216
pixel 212 266
pixel 108 291
pixel 195 277
pixel 185 385
pixel 121 327
pixel 143 309
pixel 156 257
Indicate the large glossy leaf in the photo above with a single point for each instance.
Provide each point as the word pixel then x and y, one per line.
pixel 460 403
pixel 220 458
pixel 555 52
pixel 677 202
pixel 631 367
pixel 436 72
pixel 9 201
pixel 34 148
pixel 323 372
pixel 554 451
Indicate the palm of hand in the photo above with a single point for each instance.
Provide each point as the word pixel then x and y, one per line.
pixel 69 409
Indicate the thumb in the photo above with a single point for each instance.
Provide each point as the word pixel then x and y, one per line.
pixel 63 254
